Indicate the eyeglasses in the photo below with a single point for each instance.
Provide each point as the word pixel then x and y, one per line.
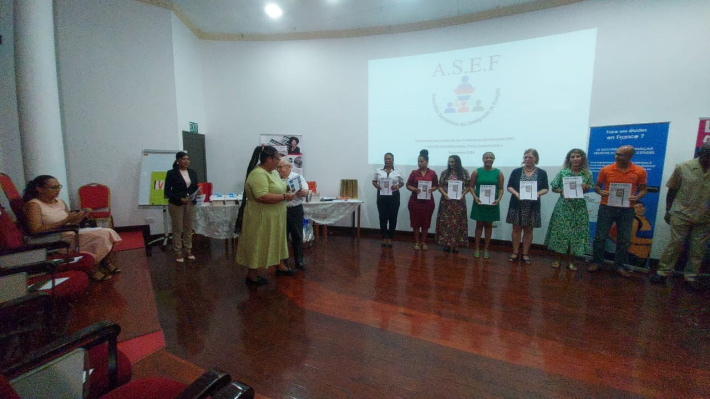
pixel 57 187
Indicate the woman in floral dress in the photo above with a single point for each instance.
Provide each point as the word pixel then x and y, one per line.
pixel 451 221
pixel 568 231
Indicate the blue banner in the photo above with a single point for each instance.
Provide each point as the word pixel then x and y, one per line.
pixel 649 140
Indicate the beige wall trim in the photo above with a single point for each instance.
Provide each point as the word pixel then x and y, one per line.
pixel 380 30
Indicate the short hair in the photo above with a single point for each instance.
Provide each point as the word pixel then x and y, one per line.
pixel 534 153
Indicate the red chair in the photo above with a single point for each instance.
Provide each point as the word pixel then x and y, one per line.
pixel 16 203
pixel 97 197
pixel 16 257
pixel 213 383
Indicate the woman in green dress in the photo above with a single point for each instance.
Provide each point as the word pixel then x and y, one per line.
pixel 568 231
pixel 262 237
pixel 486 214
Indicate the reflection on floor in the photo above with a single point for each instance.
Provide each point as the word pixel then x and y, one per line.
pixel 366 321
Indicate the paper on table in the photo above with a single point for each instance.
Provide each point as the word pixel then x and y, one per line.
pixel 385 186
pixel 424 186
pixel 487 193
pixel 58 281
pixel 455 188
pixel 619 194
pixel 528 190
pixel 572 187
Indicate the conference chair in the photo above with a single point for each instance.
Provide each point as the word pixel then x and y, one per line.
pixel 17 204
pixel 57 368
pixel 97 197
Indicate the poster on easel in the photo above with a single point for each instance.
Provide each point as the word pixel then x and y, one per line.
pixel 286 145
pixel 157 188
pixel 649 141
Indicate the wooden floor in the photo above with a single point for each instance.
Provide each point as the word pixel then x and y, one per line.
pixel 365 321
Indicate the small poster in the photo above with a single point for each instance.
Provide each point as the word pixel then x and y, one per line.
pixel 385 186
pixel 619 194
pixel 487 194
pixel 294 185
pixel 424 186
pixel 572 187
pixel 455 189
pixel 528 190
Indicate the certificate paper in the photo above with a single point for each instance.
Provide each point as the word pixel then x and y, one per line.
pixel 572 187
pixel 528 190
pixel 385 186
pixel 487 194
pixel 619 194
pixel 455 188
pixel 424 187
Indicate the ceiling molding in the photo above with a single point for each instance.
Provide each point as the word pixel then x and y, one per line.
pixel 349 33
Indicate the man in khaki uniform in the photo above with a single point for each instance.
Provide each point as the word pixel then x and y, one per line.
pixel 688 213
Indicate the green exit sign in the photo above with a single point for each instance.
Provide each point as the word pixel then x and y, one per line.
pixel 193 127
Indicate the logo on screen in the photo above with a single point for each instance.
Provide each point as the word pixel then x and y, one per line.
pixel 462 103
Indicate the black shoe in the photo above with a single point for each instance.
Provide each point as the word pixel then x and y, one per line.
pixel 383 245
pixel 389 245
pixel 287 272
pixel 455 251
pixel 658 279
pixel 300 265
pixel 258 283
pixel 447 249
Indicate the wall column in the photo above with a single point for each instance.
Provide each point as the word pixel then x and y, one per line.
pixel 38 92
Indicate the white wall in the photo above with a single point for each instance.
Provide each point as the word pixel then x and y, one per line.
pixel 188 78
pixel 650 66
pixel 117 89
pixel 10 145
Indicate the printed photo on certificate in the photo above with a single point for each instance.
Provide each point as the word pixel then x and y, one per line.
pixel 487 194
pixel 619 194
pixel 455 188
pixel 572 187
pixel 424 187
pixel 385 186
pixel 528 190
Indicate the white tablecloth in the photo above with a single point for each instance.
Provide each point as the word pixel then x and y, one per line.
pixel 216 221
pixel 329 212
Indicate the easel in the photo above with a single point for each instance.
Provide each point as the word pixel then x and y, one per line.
pixel 166 233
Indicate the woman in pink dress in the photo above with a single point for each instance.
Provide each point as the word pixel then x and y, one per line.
pixel 421 210
pixel 44 212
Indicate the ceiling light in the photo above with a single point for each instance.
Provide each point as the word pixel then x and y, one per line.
pixel 273 10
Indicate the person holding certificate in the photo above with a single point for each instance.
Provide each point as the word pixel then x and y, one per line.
pixel 527 185
pixel 180 185
pixel 487 189
pixel 621 185
pixel 568 231
pixel 422 183
pixel 388 180
pixel 451 222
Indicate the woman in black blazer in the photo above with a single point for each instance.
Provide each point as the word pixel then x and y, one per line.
pixel 180 183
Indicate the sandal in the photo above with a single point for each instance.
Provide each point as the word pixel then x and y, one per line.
pixel 526 259
pixel 112 269
pixel 476 254
pixel 513 258
pixel 556 264
pixel 99 276
pixel 572 266
pixel 485 255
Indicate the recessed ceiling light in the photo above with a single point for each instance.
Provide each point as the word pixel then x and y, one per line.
pixel 273 10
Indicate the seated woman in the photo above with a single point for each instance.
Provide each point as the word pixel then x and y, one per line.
pixel 45 212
